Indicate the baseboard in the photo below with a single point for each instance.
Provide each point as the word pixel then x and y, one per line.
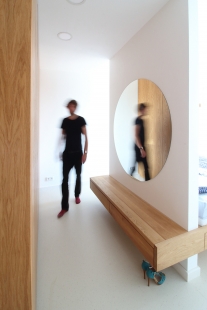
pixel 187 275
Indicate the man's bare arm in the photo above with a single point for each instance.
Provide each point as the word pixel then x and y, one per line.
pixel 63 136
pixel 61 143
pixel 84 132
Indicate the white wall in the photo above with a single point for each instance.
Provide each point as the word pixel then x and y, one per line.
pixel 89 85
pixel 160 52
pixel 126 112
pixel 202 24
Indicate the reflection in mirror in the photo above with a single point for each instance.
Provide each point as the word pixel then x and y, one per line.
pixel 142 130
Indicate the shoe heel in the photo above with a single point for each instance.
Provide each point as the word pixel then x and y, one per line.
pixel 148 281
pixel 145 266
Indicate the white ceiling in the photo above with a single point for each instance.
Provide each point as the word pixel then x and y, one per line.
pixel 99 28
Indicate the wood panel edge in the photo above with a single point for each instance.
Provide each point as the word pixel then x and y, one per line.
pixel 179 248
pixel 155 258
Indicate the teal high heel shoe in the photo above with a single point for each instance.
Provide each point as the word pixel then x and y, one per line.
pixel 145 266
pixel 158 277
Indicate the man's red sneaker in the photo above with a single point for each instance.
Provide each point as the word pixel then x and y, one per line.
pixel 61 213
pixel 77 200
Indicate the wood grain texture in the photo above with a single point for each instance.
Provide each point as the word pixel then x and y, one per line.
pixel 103 199
pixel 143 212
pixel 34 150
pixel 15 151
pixel 139 240
pixel 166 130
pixel 141 226
pixel 158 222
pixel 157 124
pixel 175 250
pixel 162 241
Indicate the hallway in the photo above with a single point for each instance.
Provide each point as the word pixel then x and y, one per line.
pixel 86 262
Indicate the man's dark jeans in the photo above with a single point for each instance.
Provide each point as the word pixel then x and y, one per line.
pixel 70 160
pixel 139 159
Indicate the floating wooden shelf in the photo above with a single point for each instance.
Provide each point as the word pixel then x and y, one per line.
pixel 162 242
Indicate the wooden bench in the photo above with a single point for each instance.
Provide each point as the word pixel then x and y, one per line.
pixel 162 242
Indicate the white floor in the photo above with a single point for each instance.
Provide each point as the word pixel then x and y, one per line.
pixel 86 262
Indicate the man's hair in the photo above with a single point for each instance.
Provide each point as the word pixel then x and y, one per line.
pixel 74 102
pixel 141 107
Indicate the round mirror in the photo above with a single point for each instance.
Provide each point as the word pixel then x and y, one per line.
pixel 142 130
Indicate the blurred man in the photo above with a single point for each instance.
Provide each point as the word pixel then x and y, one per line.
pixel 140 152
pixel 73 155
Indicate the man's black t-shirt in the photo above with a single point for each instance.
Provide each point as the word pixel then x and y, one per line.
pixel 73 133
pixel 139 122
